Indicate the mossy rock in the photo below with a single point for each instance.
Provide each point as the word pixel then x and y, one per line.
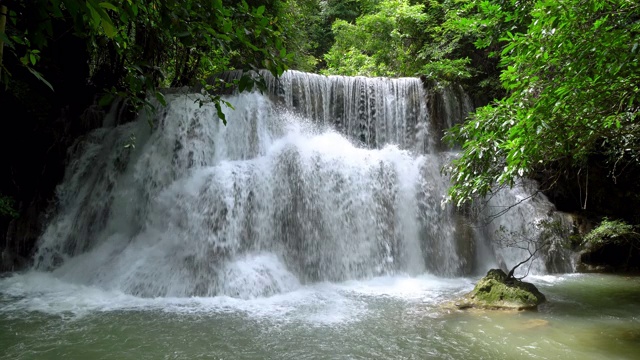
pixel 497 291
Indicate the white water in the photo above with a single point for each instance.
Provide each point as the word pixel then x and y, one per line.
pixel 517 220
pixel 373 111
pixel 316 304
pixel 277 202
pixel 203 210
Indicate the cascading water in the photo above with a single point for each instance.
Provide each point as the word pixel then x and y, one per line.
pixel 521 221
pixel 321 179
pixel 375 112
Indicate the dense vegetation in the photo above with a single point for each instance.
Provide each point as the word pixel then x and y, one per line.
pixel 560 77
pixel 64 61
pixel 573 83
pixel 135 47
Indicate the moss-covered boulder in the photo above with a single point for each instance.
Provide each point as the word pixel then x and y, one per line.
pixel 613 246
pixel 498 291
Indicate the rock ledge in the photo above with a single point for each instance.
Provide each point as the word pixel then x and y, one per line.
pixel 497 291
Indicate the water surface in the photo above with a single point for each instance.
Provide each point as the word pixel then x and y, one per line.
pixel 586 317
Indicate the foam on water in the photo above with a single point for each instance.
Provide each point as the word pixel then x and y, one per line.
pixel 317 304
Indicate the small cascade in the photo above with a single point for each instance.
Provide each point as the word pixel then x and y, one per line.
pixel 372 111
pixel 114 172
pixel 520 222
pixel 448 106
pixel 319 179
pixel 453 105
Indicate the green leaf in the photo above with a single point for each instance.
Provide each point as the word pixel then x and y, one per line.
pixel 226 27
pixel 161 99
pixel 73 7
pixel 40 77
pixel 13 14
pixel 108 28
pixel 109 6
pixel 106 100
pixel 246 83
pixel 220 113
pixel 55 8
pixel 134 9
pixel 6 41
pixel 100 18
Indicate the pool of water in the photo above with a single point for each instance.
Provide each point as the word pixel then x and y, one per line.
pixel 586 317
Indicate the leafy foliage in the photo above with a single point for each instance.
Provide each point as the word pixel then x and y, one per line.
pixel 572 80
pixel 7 207
pixel 612 231
pixel 379 43
pixel 432 38
pixel 138 46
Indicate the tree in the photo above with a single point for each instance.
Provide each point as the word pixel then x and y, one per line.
pixel 572 80
pixel 138 46
pixel 379 43
pixel 435 39
pixel 546 234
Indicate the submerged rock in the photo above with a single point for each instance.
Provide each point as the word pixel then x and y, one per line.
pixel 535 323
pixel 497 291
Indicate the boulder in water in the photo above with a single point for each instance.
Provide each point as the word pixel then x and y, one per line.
pixel 498 291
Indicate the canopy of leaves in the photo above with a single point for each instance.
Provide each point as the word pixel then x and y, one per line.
pixel 442 40
pixel 378 44
pixel 573 90
pixel 138 46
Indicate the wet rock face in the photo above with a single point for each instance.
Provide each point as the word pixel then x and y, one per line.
pixel 610 257
pixel 497 291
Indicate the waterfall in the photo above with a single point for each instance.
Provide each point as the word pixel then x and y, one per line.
pixel 521 220
pixel 318 179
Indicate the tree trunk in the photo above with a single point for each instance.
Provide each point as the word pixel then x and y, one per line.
pixel 3 22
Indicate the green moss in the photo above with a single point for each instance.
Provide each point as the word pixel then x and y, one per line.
pixel 496 274
pixel 496 291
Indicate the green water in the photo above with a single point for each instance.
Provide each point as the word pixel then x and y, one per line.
pixel 586 317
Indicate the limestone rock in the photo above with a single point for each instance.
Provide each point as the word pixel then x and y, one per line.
pixel 497 291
